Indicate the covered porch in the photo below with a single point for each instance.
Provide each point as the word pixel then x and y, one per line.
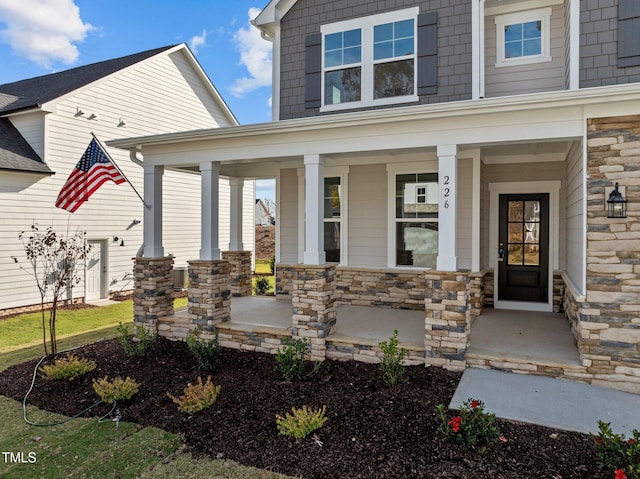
pixel 434 249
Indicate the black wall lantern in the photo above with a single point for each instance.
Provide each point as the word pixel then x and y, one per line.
pixel 616 204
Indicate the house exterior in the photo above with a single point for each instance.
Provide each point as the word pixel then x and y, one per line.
pixel 446 157
pixel 262 215
pixel 46 124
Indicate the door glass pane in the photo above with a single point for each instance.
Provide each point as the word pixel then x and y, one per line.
pixel 515 232
pixel 515 254
pixel 531 255
pixel 515 210
pixel 532 233
pixel 532 211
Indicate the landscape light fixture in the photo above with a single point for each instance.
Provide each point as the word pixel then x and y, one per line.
pixel 616 204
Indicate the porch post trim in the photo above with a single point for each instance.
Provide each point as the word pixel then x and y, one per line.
pixel 236 186
pixel 447 207
pixel 209 223
pixel 152 228
pixel 314 210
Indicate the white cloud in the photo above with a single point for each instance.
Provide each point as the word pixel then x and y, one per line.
pixel 44 31
pixel 255 55
pixel 198 41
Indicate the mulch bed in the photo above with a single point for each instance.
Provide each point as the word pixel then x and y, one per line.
pixel 373 431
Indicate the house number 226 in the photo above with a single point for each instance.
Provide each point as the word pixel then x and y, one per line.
pixel 446 191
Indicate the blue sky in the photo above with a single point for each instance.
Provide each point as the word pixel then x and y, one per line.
pixel 38 37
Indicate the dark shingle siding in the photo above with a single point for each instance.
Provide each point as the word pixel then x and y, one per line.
pixel 454 45
pixel 599 46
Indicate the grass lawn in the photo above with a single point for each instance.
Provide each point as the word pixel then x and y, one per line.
pixel 82 447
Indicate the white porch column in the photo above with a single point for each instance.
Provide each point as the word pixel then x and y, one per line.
pixel 447 207
pixel 314 210
pixel 235 235
pixel 210 174
pixel 152 228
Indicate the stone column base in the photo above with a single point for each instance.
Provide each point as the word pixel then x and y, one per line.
pixel 208 293
pixel 240 275
pixel 448 318
pixel 313 302
pixel 153 293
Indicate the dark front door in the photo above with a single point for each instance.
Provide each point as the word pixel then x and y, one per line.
pixel 523 255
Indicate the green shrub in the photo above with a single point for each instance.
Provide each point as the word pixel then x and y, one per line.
pixel 471 427
pixel 208 353
pixel 272 263
pixel 197 397
pixel 261 286
pixel 616 453
pixel 291 360
pixel 140 348
pixel 391 365
pixel 302 422
pixel 68 368
pixel 117 390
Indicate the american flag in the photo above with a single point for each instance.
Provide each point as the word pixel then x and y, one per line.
pixel 93 169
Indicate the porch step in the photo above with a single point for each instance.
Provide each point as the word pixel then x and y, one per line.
pixel 571 370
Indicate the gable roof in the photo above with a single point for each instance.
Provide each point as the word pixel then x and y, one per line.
pixel 16 153
pixel 271 15
pixel 33 92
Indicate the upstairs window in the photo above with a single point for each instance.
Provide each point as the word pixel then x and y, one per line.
pixel 369 61
pixel 523 37
pixel 343 67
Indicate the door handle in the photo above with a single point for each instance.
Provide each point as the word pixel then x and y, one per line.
pixel 501 252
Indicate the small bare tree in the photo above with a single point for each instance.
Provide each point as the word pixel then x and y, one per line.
pixel 55 262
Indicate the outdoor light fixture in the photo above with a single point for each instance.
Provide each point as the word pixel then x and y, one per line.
pixel 616 204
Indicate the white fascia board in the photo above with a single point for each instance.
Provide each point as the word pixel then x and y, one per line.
pixel 50 106
pixel 546 116
pixel 271 15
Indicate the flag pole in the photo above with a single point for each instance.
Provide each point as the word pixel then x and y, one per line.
pixel 104 150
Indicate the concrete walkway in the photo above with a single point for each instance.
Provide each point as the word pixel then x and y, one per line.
pixel 555 403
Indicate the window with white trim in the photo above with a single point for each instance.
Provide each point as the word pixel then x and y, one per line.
pixel 416 219
pixel 523 37
pixel 369 61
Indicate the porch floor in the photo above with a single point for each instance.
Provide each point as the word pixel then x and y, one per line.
pixel 509 335
pixel 353 323
pixel 519 341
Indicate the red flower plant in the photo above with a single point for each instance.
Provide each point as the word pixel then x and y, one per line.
pixel 631 441
pixel 620 474
pixel 455 423
pixel 474 404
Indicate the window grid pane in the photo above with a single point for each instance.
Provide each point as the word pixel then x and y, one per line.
pixel 392 40
pixel 523 39
pixel 343 48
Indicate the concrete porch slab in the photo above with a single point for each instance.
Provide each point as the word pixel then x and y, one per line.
pixel 525 335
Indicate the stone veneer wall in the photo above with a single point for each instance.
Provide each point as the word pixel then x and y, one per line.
pixel 607 323
pixel 240 274
pixel 153 293
pixel 390 288
pixel 209 301
pixel 313 302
